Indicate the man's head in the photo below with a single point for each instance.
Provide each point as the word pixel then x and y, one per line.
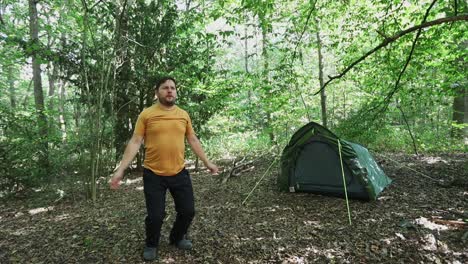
pixel 165 91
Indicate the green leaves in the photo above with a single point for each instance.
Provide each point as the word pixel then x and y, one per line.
pixel 244 68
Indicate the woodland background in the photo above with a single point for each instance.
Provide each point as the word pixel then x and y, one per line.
pixel 388 74
pixel 391 75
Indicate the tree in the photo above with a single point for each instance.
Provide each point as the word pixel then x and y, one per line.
pixel 122 91
pixel 460 100
pixel 323 96
pixel 35 47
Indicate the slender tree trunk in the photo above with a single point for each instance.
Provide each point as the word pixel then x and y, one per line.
pixel 265 27
pixel 37 80
pixel 465 118
pixel 246 49
pixel 26 96
pixel 344 102
pixel 246 60
pixel 62 99
pixel 141 106
pixel 332 108
pixel 53 117
pixel 51 73
pixel 77 111
pixel 413 139
pixel 323 96
pixel 61 108
pixel 11 86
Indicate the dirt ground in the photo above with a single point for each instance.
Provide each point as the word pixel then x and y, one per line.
pixel 415 220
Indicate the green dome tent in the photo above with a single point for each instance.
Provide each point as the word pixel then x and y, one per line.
pixel 311 163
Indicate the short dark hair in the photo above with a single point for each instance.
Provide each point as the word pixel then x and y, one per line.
pixel 163 80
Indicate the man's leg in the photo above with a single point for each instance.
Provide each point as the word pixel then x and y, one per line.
pixel 182 192
pixel 155 197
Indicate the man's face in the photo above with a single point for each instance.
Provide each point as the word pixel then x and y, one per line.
pixel 167 93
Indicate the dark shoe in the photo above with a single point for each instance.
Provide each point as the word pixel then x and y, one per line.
pixel 183 244
pixel 150 253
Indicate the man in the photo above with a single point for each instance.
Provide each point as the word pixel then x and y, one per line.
pixel 163 127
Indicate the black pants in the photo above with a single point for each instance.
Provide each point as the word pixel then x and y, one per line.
pixel 155 187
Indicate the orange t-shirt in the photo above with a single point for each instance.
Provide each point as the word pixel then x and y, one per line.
pixel 164 133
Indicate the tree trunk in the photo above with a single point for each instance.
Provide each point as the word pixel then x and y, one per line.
pixel 460 102
pixel 26 96
pixel 37 80
pixel 122 128
pixel 246 62
pixel 264 25
pixel 323 96
pixel 51 74
pixel 62 97
pixel 11 86
pixel 61 108
pixel 141 154
pixel 460 111
pixel 465 119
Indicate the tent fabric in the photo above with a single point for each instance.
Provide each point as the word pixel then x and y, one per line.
pixel 311 163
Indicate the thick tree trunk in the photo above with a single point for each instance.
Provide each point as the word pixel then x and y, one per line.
pixel 89 166
pixel 465 119
pixel 460 102
pixel 460 111
pixel 122 129
pixel 37 81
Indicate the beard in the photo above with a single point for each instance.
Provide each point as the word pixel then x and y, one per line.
pixel 165 102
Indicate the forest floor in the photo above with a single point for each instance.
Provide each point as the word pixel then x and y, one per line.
pixel 415 220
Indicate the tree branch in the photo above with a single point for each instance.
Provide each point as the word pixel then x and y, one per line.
pixel 1 17
pixel 413 46
pixel 391 39
pixel 95 4
pixel 312 8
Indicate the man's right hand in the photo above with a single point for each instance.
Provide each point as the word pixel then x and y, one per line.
pixel 115 180
pixel 212 167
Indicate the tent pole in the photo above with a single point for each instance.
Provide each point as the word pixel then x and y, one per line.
pixel 344 182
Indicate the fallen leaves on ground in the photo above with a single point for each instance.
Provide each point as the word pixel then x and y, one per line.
pixel 272 227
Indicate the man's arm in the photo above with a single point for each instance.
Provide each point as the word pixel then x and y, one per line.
pixel 130 152
pixel 198 149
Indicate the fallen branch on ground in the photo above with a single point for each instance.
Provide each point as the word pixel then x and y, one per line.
pixel 237 169
pixel 450 222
